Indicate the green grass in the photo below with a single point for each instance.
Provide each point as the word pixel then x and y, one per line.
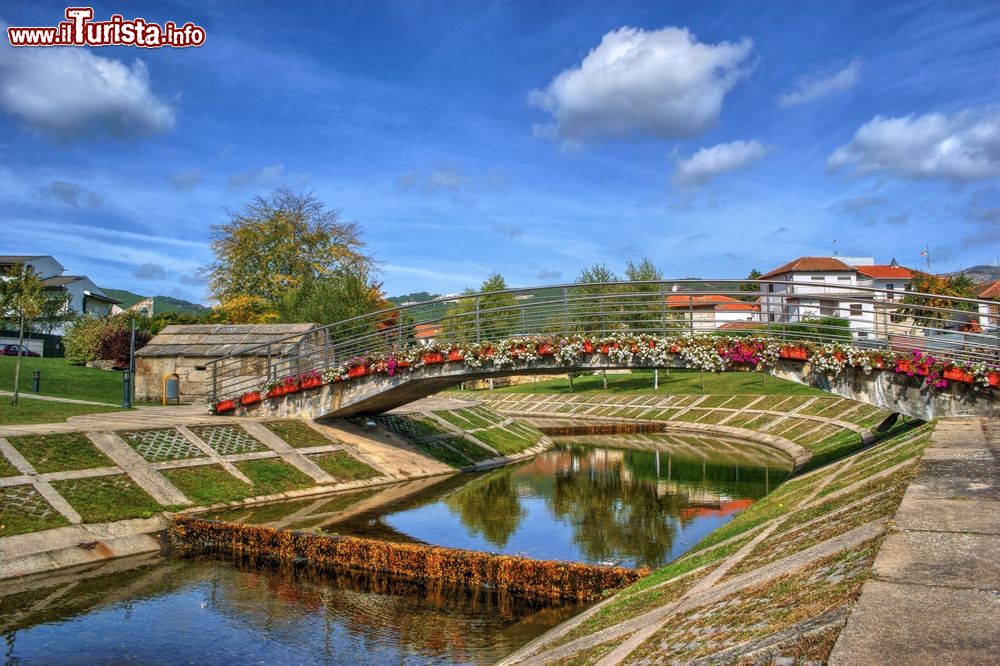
pixel 297 434
pixel 343 466
pixel 59 452
pixel 505 441
pixel 211 484
pixel 679 382
pixel 440 451
pixel 44 411
pixel 102 499
pixel 208 484
pixel 14 519
pixel 7 468
pixel 62 380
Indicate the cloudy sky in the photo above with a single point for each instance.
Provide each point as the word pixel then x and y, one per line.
pixel 531 138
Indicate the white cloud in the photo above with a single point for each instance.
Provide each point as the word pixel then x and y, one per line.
pixel 809 88
pixel 661 82
pixel 263 177
pixel 71 194
pixel 962 146
pixel 185 180
pixel 67 93
pixel 708 163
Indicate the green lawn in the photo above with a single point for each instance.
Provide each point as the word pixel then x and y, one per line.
pixel 676 382
pixel 211 484
pixel 297 434
pixel 103 499
pixel 343 466
pixel 59 452
pixel 29 410
pixel 24 510
pixel 62 380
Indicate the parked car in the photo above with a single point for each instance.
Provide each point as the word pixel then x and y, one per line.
pixel 11 350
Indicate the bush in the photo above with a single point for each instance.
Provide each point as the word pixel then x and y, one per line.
pixel 823 327
pixel 92 338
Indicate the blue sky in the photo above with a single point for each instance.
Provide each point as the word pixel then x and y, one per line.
pixel 530 138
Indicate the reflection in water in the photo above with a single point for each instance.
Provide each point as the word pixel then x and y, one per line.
pixel 210 611
pixel 635 499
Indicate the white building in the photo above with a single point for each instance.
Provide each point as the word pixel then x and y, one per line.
pixel 703 312
pixel 82 295
pixel 817 287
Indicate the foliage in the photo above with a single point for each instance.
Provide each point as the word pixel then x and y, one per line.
pixel 537 578
pixel 924 310
pixel 498 316
pixel 344 294
pixel 20 295
pixel 273 245
pixel 92 338
pixel 116 345
pixel 59 452
pixel 752 288
pixel 816 328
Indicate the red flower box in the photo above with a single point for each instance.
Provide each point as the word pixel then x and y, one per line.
pixel 486 353
pixel 588 347
pixel 795 353
pixel 312 382
pixel 402 364
pixel 357 371
pixel 456 355
pixel 959 375
pixel 251 398
pixel 634 348
pixel 224 406
pixel 903 365
pixel 838 355
pixel 994 379
pixel 433 357
pixel 278 391
pixel 605 348
pixel 546 349
pixel 652 344
pixel 675 348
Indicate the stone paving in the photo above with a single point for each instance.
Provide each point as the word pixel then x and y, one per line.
pixel 935 593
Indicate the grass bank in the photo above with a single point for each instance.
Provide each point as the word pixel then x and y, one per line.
pixel 672 382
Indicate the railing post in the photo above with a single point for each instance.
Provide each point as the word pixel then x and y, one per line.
pixel 399 329
pixel 478 333
pixel 269 368
pixel 215 383
pixel 565 310
pixel 663 310
pixel 691 313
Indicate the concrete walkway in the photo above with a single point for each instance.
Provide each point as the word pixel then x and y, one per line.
pixel 935 594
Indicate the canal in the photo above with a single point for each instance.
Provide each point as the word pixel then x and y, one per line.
pixel 636 500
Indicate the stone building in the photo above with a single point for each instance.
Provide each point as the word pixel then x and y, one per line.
pixel 187 350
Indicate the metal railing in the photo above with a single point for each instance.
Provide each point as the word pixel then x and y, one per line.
pixel 959 329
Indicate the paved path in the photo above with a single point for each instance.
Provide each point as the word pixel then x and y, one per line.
pixel 935 594
pixel 52 398
pixel 140 417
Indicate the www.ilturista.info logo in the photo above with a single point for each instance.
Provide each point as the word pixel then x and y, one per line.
pixel 79 29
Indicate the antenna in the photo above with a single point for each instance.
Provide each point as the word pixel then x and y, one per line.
pixel 834 247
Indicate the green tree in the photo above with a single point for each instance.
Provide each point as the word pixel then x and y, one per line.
pixel 752 288
pixel 644 307
pixel 271 246
pixel 345 294
pixel 593 301
pixel 21 300
pixel 499 316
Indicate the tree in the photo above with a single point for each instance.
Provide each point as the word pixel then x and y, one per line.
pixel 345 294
pixel 942 291
pixel 498 316
pixel 21 299
pixel 644 307
pixel 272 246
pixel 752 288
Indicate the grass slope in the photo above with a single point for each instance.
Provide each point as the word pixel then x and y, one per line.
pixel 677 382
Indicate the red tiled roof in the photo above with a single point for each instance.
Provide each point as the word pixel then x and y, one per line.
pixel 883 272
pixel 716 301
pixel 741 325
pixel 990 291
pixel 426 330
pixel 819 264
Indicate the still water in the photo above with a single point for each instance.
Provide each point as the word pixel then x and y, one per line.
pixel 634 500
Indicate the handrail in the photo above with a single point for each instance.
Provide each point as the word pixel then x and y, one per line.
pixel 875 317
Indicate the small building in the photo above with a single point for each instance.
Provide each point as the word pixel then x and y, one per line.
pixel 187 351
pixel 990 310
pixel 703 312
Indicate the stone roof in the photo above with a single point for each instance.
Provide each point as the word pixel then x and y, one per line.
pixel 215 340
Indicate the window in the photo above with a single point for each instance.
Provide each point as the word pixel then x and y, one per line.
pixel 890 286
pixel 856 309
pixel 843 278
pixel 827 308
pixel 770 288
pixel 817 278
pixel 770 316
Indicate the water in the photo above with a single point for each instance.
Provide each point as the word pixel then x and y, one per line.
pixel 635 500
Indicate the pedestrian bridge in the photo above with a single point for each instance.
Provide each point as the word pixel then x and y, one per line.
pixel 922 355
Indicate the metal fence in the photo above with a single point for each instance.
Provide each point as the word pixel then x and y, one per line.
pixel 956 328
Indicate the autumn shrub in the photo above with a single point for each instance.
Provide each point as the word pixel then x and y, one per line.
pixel 82 342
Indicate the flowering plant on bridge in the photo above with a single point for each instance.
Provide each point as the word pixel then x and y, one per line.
pixel 830 359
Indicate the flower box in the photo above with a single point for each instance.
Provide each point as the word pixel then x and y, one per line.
pixel 433 357
pixel 402 364
pixel 311 382
pixel 634 348
pixel 224 406
pixel 652 344
pixel 588 347
pixel 838 355
pixel 675 348
pixel 606 348
pixel 994 379
pixel 795 353
pixel 456 355
pixel 546 349
pixel 903 365
pixel 959 375
pixel 357 371
pixel 251 398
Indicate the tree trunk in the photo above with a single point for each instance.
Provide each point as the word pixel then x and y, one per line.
pixel 17 364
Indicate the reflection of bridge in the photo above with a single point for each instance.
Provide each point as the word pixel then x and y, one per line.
pixel 554 330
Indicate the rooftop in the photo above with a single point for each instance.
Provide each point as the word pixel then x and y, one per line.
pixel 815 264
pixel 215 340
pixel 886 271
pixel 717 301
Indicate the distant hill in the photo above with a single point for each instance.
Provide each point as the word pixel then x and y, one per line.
pixel 160 303
pixel 415 297
pixel 983 273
